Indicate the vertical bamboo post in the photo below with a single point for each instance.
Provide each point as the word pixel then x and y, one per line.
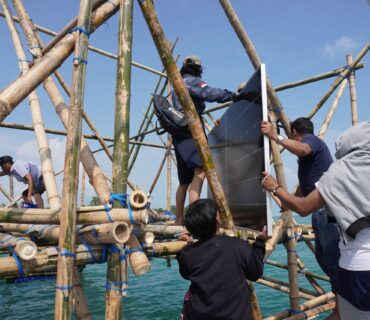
pixel 121 147
pixel 83 183
pixel 34 102
pixel 256 61
pixel 63 303
pixel 169 177
pixel 159 170
pixel 352 91
pixel 11 187
pixel 191 114
pixel 332 109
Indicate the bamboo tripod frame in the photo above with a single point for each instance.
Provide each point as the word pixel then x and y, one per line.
pixel 124 158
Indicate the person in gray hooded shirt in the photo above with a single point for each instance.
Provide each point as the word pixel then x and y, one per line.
pixel 345 190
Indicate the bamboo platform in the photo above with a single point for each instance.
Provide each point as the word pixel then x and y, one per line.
pixel 125 231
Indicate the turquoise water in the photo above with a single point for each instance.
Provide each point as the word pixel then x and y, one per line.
pixel 155 296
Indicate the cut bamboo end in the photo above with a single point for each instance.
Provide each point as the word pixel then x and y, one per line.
pixel 149 237
pixel 121 232
pixel 137 258
pixel 138 199
pixel 26 250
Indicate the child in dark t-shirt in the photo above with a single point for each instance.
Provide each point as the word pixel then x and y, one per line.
pixel 218 267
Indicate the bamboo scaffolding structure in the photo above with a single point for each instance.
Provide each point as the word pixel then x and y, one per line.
pixel 38 124
pixel 46 260
pixel 337 81
pixel 305 306
pixel 20 88
pixel 283 288
pixel 22 247
pixel 68 214
pixel 6 194
pixel 116 232
pixel 352 91
pixel 191 114
pixel 332 109
pixel 51 216
pixel 91 48
pixel 256 62
pixel 313 313
pixel 113 305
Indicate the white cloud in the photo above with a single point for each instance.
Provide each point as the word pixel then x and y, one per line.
pixel 342 45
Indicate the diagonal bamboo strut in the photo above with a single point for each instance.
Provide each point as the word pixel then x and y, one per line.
pixel 115 270
pixel 63 301
pixel 256 61
pixel 191 114
pixel 91 48
pixel 8 196
pixel 352 91
pixel 11 187
pixel 83 183
pixel 332 109
pixel 34 102
pixel 20 88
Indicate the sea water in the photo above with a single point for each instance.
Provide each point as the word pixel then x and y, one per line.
pixel 157 295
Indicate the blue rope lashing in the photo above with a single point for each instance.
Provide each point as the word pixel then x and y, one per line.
pixel 65 289
pixel 123 256
pixel 123 200
pixel 292 311
pixel 79 59
pixel 88 248
pixel 347 67
pixel 113 285
pixel 95 233
pixel 277 109
pixel 107 209
pixel 17 261
pixel 134 250
pixel 81 30
pixel 65 252
pixel 104 254
pixel 112 3
pixel 24 60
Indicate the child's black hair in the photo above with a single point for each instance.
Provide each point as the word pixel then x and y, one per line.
pixel 201 219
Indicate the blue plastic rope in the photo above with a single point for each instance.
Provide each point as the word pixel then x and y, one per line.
pixel 35 47
pixel 112 3
pixel 122 199
pixel 347 67
pixel 64 288
pixel 134 250
pixel 17 261
pixel 104 254
pixel 95 234
pixel 81 30
pixel 88 248
pixel 111 285
pixel 65 252
pixel 107 209
pixel 79 59
pixel 298 312
pixel 277 109
pixel 24 60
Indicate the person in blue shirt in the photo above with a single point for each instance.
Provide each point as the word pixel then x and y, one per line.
pixel 314 159
pixel 189 166
pixel 29 174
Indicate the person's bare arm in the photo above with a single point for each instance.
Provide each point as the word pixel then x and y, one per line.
pixel 298 148
pixel 298 192
pixel 303 206
pixel 28 177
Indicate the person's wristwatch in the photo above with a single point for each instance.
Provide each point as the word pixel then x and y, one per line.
pixel 279 139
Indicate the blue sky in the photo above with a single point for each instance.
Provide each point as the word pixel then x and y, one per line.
pixel 295 39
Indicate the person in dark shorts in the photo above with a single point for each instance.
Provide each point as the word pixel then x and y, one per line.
pixel 29 174
pixel 314 159
pixel 218 267
pixel 189 166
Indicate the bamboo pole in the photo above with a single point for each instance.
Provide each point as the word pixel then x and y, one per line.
pixel 87 119
pixel 138 260
pixel 115 273
pixel 256 62
pixel 305 306
pixel 92 48
pixel 352 91
pixel 191 114
pixel 68 215
pixel 83 183
pixel 80 302
pixel 159 171
pixel 313 294
pixel 337 81
pixel 7 195
pixel 20 88
pixel 159 249
pixel 11 187
pixel 283 288
pixel 313 313
pixel 22 247
pixel 51 216
pixel 169 175
pixel 34 102
pixel 332 109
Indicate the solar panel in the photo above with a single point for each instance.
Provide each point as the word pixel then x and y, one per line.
pixel 241 153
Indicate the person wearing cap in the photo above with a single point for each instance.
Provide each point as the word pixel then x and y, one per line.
pixel 189 166
pixel 29 174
